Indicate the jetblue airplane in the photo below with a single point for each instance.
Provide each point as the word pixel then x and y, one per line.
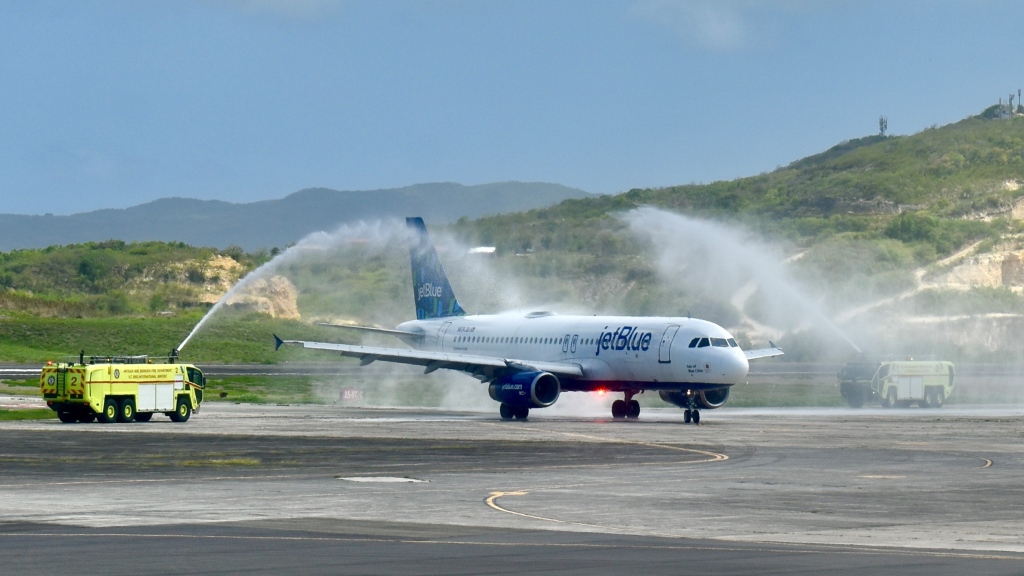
pixel 529 360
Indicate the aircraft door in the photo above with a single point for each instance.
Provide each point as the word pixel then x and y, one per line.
pixel 440 335
pixel 665 351
pixel 569 345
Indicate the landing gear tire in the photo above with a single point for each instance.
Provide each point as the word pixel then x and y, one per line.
pixel 506 411
pixel 687 416
pixel 695 415
pixel 890 399
pixel 126 411
pixel 143 416
pixel 522 412
pixel 633 409
pixel 182 411
pixel 67 416
pixel 109 414
pixel 619 409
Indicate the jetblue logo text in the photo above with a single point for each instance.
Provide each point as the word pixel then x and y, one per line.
pixel 513 388
pixel 624 338
pixel 428 290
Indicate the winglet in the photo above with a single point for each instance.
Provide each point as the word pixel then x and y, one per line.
pixel 277 342
pixel 773 345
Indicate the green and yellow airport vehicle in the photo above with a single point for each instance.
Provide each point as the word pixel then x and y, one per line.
pixel 897 383
pixel 121 389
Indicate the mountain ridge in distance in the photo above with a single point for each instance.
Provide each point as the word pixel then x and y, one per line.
pixel 278 222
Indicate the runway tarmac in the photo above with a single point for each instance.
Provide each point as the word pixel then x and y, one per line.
pixel 329 489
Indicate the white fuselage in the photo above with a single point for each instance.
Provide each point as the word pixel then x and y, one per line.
pixel 614 352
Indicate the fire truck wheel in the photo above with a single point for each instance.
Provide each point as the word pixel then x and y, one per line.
pixel 66 416
pixel 143 416
pixel 182 411
pixel 126 411
pixel 109 413
pixel 890 399
pixel 86 416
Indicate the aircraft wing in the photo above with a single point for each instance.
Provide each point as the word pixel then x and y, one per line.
pixel 373 329
pixel 764 352
pixel 482 367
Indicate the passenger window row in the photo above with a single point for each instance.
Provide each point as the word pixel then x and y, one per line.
pixel 519 340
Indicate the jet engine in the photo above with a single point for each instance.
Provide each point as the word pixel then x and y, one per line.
pixel 532 389
pixel 713 398
pixel 709 399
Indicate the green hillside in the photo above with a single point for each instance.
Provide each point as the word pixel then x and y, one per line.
pixel 923 187
pixel 114 278
pixel 856 234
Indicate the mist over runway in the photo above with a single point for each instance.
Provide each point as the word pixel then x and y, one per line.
pixel 862 490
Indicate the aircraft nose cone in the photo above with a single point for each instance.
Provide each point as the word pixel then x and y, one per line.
pixel 735 368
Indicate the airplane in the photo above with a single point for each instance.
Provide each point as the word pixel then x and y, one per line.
pixel 528 360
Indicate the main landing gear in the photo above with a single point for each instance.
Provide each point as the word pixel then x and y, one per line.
pixel 509 412
pixel 627 408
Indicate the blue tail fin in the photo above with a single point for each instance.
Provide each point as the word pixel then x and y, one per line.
pixel 430 288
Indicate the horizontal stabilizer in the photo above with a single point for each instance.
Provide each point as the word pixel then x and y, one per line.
pixel 372 329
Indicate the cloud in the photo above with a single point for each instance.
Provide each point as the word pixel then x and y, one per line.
pixel 718 25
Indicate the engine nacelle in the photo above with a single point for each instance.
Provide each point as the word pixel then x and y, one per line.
pixel 533 389
pixel 708 399
pixel 713 398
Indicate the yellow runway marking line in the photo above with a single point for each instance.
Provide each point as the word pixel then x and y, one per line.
pixel 492 502
pixel 825 548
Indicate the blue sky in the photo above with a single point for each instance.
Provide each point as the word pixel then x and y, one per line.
pixel 112 104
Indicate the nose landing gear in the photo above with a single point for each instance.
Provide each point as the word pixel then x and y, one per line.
pixel 627 408
pixel 691 414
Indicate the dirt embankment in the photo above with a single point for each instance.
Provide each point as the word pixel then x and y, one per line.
pixel 275 296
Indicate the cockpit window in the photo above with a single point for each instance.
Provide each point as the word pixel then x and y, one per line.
pixel 720 342
pixel 693 343
pixel 732 343
pixel 704 343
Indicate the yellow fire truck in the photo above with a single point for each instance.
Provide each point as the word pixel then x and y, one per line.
pixel 121 389
pixel 928 383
